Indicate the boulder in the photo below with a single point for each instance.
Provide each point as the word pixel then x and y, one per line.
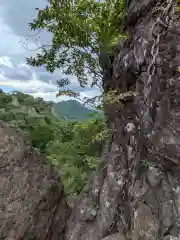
pixel 32 203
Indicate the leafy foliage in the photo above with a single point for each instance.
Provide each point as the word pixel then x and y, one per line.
pixel 78 157
pixel 69 145
pixel 81 31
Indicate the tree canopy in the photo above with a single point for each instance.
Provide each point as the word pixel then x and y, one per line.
pixel 81 31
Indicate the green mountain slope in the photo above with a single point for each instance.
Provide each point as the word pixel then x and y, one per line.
pixel 72 110
pixel 71 146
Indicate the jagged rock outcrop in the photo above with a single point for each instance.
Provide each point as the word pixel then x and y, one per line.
pixel 136 193
pixel 32 204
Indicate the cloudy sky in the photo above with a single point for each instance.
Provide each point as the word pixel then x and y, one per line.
pixel 16 43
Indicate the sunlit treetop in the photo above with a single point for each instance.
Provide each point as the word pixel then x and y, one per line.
pixel 81 30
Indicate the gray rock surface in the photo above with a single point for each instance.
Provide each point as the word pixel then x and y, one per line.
pixel 32 204
pixel 114 237
pixel 136 192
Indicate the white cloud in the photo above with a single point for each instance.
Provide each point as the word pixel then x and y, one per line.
pixel 2 78
pixel 90 94
pixel 51 96
pixel 10 43
pixel 23 65
pixel 41 89
pixel 5 60
pixel 31 85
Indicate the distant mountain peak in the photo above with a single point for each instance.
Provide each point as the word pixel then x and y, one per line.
pixel 72 109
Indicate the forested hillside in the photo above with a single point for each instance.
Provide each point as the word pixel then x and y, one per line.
pixel 70 145
pixel 73 110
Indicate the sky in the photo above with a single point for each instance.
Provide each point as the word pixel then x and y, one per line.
pixel 18 42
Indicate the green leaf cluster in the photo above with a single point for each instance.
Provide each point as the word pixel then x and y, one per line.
pixel 78 157
pixel 81 30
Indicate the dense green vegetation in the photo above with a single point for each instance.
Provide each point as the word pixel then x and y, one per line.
pixel 70 145
pixel 74 110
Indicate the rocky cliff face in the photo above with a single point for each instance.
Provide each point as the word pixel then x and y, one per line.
pixel 32 204
pixel 136 194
